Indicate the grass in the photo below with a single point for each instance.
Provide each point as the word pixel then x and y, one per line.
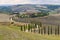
pixel 14 33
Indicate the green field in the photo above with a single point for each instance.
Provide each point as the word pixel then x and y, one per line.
pixel 14 33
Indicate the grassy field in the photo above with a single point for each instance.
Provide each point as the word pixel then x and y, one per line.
pixel 14 33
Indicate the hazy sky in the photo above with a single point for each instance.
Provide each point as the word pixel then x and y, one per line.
pixel 29 2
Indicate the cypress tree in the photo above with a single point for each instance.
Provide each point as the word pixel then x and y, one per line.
pixel 51 29
pixel 24 28
pixel 48 30
pixel 21 28
pixel 44 30
pixel 39 29
pixel 28 27
pixel 40 24
pixel 58 29
pixel 34 27
pixel 31 28
pixel 55 31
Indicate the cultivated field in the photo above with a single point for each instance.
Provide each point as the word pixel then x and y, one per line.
pixel 51 20
pixel 4 17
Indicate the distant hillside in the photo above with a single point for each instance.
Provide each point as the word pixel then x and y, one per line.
pixel 5 9
pixel 25 7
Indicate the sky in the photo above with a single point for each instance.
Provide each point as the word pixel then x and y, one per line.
pixel 29 2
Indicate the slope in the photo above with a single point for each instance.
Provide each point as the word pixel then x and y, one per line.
pixel 13 33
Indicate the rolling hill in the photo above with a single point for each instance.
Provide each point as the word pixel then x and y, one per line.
pixel 14 33
pixel 26 7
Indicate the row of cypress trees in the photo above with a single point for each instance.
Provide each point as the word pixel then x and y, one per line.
pixel 41 29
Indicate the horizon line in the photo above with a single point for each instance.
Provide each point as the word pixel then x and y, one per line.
pixel 25 4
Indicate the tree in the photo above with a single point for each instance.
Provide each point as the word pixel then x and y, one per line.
pixel 51 29
pixel 39 29
pixel 24 27
pixel 31 28
pixel 40 24
pixel 55 30
pixel 44 30
pixel 28 27
pixel 34 27
pixel 21 28
pixel 48 30
pixel 58 29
